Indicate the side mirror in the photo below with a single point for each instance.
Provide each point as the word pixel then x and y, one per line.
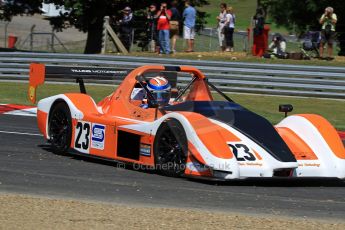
pixel 285 108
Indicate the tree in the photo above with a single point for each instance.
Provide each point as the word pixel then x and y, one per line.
pixel 88 16
pixel 14 7
pixel 304 15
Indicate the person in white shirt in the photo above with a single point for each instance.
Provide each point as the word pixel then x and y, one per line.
pixel 229 28
pixel 221 22
pixel 278 44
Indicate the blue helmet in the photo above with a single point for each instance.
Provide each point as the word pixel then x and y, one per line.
pixel 160 88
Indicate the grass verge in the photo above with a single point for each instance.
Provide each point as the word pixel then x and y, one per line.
pixel 242 57
pixel 244 11
pixel 267 106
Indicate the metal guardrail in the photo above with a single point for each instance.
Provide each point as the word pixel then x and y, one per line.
pixel 277 79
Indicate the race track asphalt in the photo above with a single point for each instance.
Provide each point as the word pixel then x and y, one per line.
pixel 28 167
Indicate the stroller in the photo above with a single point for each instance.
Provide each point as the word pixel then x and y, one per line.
pixel 311 44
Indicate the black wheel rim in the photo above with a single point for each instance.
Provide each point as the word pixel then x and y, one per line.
pixel 58 129
pixel 171 153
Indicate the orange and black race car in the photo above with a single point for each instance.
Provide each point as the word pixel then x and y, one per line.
pixel 181 130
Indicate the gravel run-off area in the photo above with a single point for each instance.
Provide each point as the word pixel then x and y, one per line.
pixel 30 212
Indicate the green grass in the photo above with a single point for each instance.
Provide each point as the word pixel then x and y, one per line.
pixel 267 106
pixel 244 11
pixel 242 57
pixel 16 93
pixel 203 43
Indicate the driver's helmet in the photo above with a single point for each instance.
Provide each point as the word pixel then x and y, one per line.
pixel 160 88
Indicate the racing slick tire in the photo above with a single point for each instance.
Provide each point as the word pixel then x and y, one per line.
pixel 60 128
pixel 170 149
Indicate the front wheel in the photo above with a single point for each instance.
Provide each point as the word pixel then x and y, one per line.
pixel 170 148
pixel 60 128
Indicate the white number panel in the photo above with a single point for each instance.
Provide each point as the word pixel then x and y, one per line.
pixel 82 137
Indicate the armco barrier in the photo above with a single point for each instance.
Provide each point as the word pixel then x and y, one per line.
pixel 277 79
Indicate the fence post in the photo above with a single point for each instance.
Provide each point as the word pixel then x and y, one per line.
pixel 52 41
pixel 132 40
pixel 210 44
pixel 115 38
pixel 6 26
pixel 59 41
pixel 32 37
pixel 105 34
pixel 245 43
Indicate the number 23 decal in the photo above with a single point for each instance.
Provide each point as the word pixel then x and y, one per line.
pixel 82 136
pixel 242 152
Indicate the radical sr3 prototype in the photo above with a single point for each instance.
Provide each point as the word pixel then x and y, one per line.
pixel 193 136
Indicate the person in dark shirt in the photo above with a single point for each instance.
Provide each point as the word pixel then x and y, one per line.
pixel 152 27
pixel 174 25
pixel 259 21
pixel 229 27
pixel 126 27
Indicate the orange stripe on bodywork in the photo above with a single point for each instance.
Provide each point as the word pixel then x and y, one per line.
pixel 83 102
pixel 195 153
pixel 199 92
pixel 42 122
pixel 213 136
pixel 298 147
pixel 328 132
pixel 74 124
pixel 257 155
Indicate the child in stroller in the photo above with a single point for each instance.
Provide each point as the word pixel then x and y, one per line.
pixel 311 44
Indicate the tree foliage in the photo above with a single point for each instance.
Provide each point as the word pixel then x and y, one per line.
pixel 303 15
pixel 12 8
pixel 88 16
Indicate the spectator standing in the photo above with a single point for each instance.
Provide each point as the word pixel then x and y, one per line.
pixel 221 18
pixel 229 27
pixel 163 16
pixel 189 16
pixel 152 27
pixel 126 27
pixel 174 25
pixel 259 21
pixel 328 21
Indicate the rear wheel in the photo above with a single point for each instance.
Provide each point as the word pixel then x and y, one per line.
pixel 170 148
pixel 60 128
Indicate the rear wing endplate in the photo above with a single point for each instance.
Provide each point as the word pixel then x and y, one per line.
pixel 40 72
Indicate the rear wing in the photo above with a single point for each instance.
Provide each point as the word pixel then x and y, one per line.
pixel 40 72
